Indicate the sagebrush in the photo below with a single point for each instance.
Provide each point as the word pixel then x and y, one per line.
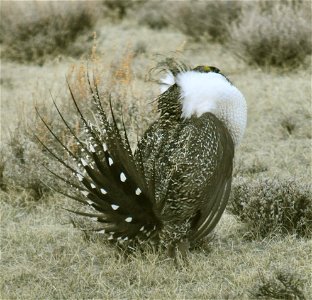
pixel 33 31
pixel 204 20
pixel 153 14
pixel 282 284
pixel 271 205
pixel 273 34
pixel 118 9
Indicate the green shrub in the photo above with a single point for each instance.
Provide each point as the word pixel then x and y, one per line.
pixel 33 31
pixel 273 34
pixel 205 20
pixel 271 205
pixel 282 285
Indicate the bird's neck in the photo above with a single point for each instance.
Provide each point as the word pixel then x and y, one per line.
pixel 169 103
pixel 234 115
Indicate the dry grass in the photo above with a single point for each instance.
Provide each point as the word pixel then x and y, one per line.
pixel 44 256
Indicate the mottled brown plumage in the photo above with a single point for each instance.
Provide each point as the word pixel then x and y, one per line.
pixel 190 161
pixel 174 188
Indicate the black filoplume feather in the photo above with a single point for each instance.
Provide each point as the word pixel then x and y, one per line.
pixel 108 178
pixel 173 188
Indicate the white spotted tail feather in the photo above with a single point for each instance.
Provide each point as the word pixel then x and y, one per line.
pixel 107 178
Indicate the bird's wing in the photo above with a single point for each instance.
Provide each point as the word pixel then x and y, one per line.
pixel 191 162
pixel 216 193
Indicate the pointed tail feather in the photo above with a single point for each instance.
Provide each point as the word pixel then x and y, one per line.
pixel 110 180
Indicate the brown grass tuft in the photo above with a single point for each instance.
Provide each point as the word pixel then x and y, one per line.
pixel 118 80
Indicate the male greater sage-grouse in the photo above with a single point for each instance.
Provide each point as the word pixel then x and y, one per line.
pixel 174 188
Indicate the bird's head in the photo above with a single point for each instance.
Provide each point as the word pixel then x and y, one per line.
pixel 205 89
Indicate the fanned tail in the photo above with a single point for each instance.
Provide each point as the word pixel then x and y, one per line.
pixel 106 176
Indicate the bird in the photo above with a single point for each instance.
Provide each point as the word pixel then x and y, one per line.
pixel 173 188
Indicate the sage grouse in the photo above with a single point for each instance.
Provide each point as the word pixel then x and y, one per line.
pixel 174 188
